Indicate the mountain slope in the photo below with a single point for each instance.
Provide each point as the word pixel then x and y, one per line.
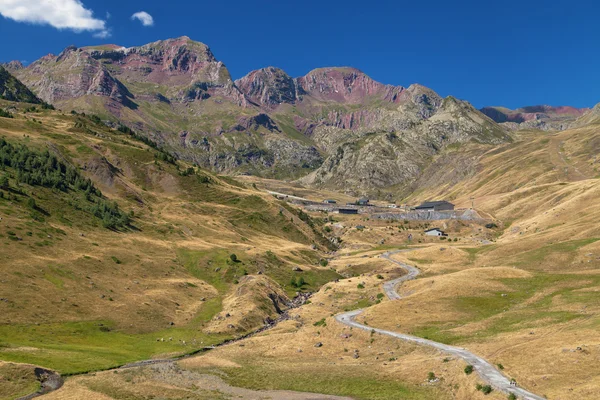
pixel 109 243
pixel 12 89
pixel 591 117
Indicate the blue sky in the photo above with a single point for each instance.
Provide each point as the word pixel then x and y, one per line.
pixel 509 53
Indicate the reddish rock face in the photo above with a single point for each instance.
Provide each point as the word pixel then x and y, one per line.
pixel 175 61
pixel 315 93
pixel 346 85
pixel 187 70
pixel 270 87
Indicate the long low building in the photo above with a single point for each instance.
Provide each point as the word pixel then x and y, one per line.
pixel 435 206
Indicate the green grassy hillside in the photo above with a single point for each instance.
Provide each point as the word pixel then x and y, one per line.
pixel 113 251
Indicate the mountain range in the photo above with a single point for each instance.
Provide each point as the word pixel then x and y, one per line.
pixel 128 242
pixel 334 127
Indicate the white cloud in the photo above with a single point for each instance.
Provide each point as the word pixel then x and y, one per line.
pixel 103 34
pixel 60 14
pixel 145 18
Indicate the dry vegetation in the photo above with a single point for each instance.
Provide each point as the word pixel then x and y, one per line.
pixel 79 297
pixel 90 298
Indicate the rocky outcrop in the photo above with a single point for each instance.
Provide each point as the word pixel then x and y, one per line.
pixel 362 162
pixel 254 123
pixel 256 299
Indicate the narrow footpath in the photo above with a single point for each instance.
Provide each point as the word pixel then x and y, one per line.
pixel 484 369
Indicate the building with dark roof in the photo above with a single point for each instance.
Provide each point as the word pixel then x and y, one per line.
pixel 435 206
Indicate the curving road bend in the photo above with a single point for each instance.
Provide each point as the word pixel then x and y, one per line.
pixel 486 371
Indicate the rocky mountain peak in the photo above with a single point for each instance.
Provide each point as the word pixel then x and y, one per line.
pixel 66 52
pixel 72 74
pixel 180 54
pixel 269 87
pixel 14 65
pixel 181 69
pixel 421 100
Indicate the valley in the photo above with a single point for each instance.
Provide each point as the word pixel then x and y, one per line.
pixel 168 232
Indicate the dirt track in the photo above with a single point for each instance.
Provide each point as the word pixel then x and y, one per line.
pixel 486 371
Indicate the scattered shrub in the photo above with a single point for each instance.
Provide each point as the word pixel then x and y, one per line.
pixel 297 283
pixel 469 369
pixel 203 179
pixel 5 114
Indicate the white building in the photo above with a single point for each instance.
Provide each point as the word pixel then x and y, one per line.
pixel 435 232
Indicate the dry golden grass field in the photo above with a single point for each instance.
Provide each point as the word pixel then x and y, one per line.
pixel 81 299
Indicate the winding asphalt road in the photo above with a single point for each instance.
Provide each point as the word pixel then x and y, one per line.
pixel 486 371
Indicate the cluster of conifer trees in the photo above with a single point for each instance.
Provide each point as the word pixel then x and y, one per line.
pixel 37 168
